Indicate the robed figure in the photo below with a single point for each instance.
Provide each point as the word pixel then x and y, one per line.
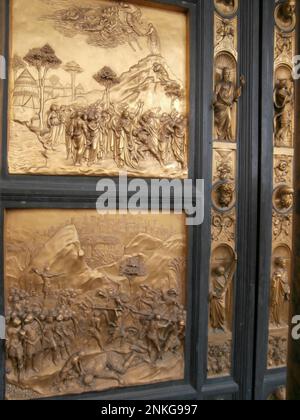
pixel 221 281
pixel 226 94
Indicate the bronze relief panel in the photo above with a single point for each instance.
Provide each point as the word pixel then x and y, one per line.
pixel 283 192
pixel 97 87
pixel 228 88
pixel 93 302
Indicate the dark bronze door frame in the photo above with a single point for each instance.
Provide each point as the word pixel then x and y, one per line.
pixel 249 378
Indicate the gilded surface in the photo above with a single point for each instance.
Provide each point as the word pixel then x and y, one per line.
pixel 283 194
pixel 225 34
pixel 226 95
pixel 284 106
pixel 223 227
pixel 227 91
pixel 224 165
pixel 226 7
pixel 92 302
pixel 283 169
pixel 285 16
pixel 221 283
pixel 98 86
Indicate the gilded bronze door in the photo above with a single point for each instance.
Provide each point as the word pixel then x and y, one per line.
pixel 123 305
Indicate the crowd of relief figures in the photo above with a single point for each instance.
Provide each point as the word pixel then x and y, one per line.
pixel 127 113
pixel 93 303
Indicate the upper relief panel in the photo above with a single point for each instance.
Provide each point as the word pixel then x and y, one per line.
pixel 97 87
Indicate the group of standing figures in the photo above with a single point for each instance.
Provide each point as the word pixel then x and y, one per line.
pixel 128 137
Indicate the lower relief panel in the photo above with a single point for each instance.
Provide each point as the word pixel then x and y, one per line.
pixel 93 302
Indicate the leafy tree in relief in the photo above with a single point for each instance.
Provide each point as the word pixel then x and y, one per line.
pixel 73 69
pixel 175 92
pixel 107 78
pixel 42 59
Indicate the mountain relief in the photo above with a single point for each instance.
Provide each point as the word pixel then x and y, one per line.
pixel 73 328
pixel 70 116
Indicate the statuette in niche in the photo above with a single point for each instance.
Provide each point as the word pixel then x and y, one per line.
pixel 280 290
pixel 226 7
pixel 283 103
pixel 220 283
pixel 226 95
pixel 285 16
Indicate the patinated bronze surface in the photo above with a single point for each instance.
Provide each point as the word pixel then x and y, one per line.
pixel 98 86
pixel 92 302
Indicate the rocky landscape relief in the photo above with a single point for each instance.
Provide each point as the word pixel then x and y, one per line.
pixel 93 302
pixel 97 87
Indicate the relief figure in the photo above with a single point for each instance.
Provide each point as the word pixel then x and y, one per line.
pixel 221 281
pixel 283 103
pixel 225 96
pixel 93 329
pixel 281 291
pixel 70 117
